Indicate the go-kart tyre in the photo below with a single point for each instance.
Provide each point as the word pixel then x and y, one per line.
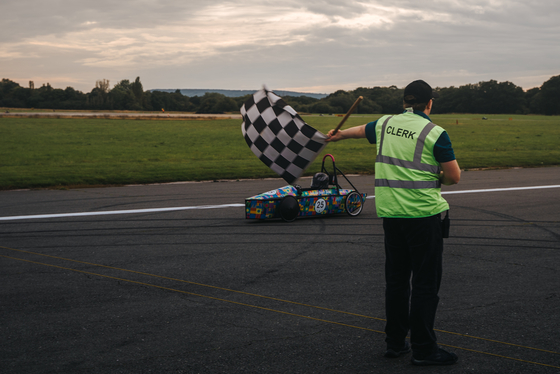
pixel 354 203
pixel 288 208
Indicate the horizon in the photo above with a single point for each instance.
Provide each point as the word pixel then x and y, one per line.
pixel 26 84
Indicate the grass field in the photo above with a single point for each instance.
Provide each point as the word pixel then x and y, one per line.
pixel 39 152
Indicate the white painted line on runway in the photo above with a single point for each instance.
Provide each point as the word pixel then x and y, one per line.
pixel 501 189
pixel 112 212
pixel 493 190
pixel 156 210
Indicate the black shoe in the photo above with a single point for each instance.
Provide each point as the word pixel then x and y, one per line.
pixel 394 353
pixel 441 357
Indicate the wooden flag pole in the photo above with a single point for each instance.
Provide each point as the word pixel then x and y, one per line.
pixel 358 100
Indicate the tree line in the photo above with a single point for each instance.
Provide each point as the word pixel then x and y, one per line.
pixel 489 97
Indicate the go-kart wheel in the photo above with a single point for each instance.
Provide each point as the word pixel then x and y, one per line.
pixel 288 208
pixel 354 203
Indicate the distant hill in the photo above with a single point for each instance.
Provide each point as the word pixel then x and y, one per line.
pixel 237 93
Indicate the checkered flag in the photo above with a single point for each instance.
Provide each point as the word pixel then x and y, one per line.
pixel 278 136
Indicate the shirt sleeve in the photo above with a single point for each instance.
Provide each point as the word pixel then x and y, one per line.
pixel 370 132
pixel 443 151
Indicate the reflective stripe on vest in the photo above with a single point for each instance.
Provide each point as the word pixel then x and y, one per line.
pixel 415 164
pixel 412 185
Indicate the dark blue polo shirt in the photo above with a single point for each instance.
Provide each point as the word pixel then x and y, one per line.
pixel 443 151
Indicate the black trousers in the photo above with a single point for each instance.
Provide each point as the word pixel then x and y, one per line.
pixel 413 267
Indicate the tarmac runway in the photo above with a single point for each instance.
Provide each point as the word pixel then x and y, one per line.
pixel 135 288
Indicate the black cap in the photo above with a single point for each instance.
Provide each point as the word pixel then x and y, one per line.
pixel 419 92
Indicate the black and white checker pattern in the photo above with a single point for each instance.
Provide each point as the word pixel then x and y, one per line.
pixel 278 136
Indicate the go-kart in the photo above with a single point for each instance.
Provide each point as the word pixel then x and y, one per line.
pixel 324 197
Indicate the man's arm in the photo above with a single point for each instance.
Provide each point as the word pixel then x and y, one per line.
pixel 352 132
pixel 451 173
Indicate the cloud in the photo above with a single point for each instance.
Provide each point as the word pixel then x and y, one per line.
pixel 290 44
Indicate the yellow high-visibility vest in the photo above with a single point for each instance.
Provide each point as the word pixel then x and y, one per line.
pixel 407 181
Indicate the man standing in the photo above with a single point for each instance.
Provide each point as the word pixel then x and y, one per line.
pixel 414 157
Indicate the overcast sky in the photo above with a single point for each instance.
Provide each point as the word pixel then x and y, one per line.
pixel 302 45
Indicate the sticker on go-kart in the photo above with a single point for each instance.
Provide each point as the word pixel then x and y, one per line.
pixel 320 205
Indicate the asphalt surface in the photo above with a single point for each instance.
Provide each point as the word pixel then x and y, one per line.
pixel 207 291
